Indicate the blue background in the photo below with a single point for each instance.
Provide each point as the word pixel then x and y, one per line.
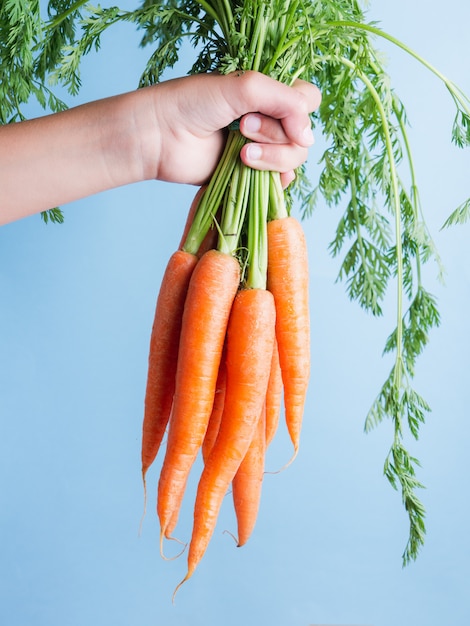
pixel 77 304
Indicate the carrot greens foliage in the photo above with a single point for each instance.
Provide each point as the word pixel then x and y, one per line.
pixel 366 170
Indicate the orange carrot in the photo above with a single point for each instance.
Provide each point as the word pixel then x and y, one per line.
pixel 247 482
pixel 273 397
pixel 217 409
pixel 211 432
pixel 288 282
pixel 250 340
pixel 164 341
pixel 211 291
pixel 163 353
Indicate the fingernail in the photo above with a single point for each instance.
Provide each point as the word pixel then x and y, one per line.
pixel 308 135
pixel 253 152
pixel 252 123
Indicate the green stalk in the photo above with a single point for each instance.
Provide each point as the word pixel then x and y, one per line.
pixel 259 35
pixel 458 96
pixel 277 204
pixel 280 51
pixel 414 199
pixel 64 15
pixel 257 230
pixel 360 240
pixel 234 210
pixel 223 19
pixel 213 196
pixel 284 26
pixel 396 208
pixel 401 467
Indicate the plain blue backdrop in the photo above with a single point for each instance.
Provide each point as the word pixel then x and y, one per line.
pixel 77 303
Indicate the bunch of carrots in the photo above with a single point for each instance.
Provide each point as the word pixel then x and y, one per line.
pixel 230 339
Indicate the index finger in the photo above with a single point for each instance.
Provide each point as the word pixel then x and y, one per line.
pixel 311 92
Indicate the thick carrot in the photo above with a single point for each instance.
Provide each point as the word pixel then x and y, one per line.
pixel 163 353
pixel 288 282
pixel 247 482
pixel 217 410
pixel 250 340
pixel 273 397
pixel 211 291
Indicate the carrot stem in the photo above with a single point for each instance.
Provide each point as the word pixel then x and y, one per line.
pixel 277 203
pixel 214 194
pixel 234 209
pixel 257 230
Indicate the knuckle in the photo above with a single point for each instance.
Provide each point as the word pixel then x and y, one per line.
pixel 250 85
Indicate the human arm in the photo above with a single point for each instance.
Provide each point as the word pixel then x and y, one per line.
pixel 172 131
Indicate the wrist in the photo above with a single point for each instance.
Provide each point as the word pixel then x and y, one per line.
pixel 130 138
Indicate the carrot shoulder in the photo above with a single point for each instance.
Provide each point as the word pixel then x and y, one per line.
pixel 250 340
pixel 211 291
pixel 288 282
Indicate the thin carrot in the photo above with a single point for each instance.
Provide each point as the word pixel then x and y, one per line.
pixel 273 397
pixel 163 353
pixel 247 482
pixel 211 291
pixel 288 282
pixel 250 340
pixel 217 410
pixel 164 342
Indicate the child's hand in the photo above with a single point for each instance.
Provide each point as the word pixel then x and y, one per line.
pixel 192 113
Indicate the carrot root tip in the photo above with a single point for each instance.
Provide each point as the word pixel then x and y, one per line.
pixel 144 481
pixel 227 532
pixel 178 586
pixel 286 465
pixel 162 553
pixel 292 459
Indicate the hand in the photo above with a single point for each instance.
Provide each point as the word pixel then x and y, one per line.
pixel 192 113
pixel 173 131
